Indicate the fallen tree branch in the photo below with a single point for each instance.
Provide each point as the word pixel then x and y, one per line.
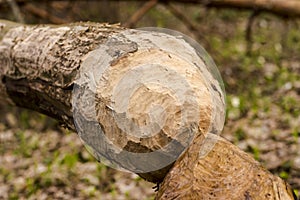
pixel 187 22
pixel 16 10
pixel 43 14
pixel 140 13
pixel 39 67
pixel 248 35
pixel 289 8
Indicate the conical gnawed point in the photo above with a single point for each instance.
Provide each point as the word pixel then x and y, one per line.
pixel 226 172
pixel 151 97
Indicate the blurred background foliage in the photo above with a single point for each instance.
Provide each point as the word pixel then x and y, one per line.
pixel 256 53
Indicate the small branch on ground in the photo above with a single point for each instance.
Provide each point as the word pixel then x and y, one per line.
pixel 248 35
pixel 44 14
pixel 137 16
pixel 192 27
pixel 16 10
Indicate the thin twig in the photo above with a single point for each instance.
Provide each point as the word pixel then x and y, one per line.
pixel 187 22
pixel 16 11
pixel 284 34
pixel 44 14
pixel 192 27
pixel 249 31
pixel 140 13
pixel 179 15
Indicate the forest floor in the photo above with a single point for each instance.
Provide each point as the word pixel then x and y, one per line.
pixel 40 160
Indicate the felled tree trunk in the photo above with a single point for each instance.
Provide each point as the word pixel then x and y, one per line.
pixel 38 68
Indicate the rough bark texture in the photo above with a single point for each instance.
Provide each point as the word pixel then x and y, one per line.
pixel 225 173
pixel 39 64
pixel 38 67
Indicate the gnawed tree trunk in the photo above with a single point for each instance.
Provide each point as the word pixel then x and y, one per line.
pixel 225 173
pixel 38 70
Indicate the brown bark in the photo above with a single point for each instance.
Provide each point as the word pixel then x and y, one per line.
pixel 39 64
pixel 38 67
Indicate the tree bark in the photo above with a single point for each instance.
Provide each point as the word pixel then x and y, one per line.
pixel 38 69
pixel 39 64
